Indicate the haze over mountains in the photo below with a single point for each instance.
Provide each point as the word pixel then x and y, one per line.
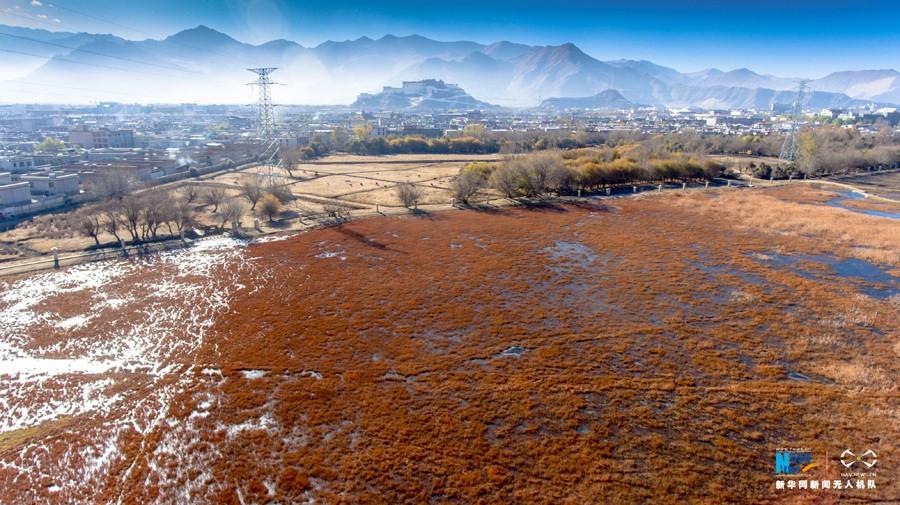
pixel 205 66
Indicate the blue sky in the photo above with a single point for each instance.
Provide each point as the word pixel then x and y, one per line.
pixel 786 37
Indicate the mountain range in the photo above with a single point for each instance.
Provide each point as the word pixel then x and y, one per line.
pixel 206 66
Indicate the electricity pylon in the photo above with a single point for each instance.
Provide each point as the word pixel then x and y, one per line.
pixel 266 126
pixel 791 147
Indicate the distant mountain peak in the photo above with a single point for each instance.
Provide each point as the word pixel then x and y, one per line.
pixel 608 99
pixel 505 50
pixel 201 34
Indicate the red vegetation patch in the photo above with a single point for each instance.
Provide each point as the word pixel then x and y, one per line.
pixel 633 353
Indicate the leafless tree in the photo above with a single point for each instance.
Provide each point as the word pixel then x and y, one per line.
pixel 89 223
pixel 182 214
pixel 215 196
pixel 189 193
pixel 507 180
pixel 112 222
pixel 113 183
pixel 289 159
pixel 153 214
pixel 281 188
pixel 232 210
pixel 335 213
pixel 252 188
pixel 465 185
pixel 131 208
pixel 270 206
pixel 409 194
pixel 542 172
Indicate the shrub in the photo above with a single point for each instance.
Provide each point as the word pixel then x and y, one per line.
pixel 465 185
pixel 270 206
pixel 409 194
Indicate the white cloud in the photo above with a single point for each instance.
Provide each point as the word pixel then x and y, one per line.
pixel 42 16
pixel 37 3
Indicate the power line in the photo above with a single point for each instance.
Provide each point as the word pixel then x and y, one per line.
pixel 60 86
pixel 35 20
pixel 199 74
pixel 148 34
pixel 102 20
pixel 100 65
pixel 167 67
pixel 112 67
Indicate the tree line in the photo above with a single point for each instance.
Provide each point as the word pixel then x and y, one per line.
pixel 420 145
pixel 144 216
pixel 565 172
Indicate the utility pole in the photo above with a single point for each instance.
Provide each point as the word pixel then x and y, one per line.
pixel 791 147
pixel 266 126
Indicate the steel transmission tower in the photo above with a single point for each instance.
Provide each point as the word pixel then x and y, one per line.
pixel 266 127
pixel 791 146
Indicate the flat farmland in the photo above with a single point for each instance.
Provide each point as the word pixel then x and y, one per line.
pixel 650 349
pixel 361 184
pixel 369 180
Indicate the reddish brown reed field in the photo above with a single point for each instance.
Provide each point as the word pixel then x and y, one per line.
pixel 649 350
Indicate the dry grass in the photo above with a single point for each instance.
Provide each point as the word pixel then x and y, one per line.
pixel 11 440
pixel 793 211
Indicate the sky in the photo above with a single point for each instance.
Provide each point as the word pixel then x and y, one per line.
pixel 782 37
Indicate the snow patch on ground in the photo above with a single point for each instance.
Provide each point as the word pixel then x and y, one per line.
pixel 253 374
pixel 139 322
pixel 332 254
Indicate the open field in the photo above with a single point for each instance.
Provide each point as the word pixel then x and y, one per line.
pixel 363 185
pixel 360 183
pixel 649 349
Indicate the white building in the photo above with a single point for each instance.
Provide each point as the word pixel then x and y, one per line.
pixel 53 183
pixel 16 163
pixel 14 194
pixel 102 138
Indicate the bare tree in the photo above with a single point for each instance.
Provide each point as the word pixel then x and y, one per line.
pixel 182 214
pixel 270 206
pixel 89 223
pixel 113 183
pixel 131 210
pixel 252 188
pixel 153 214
pixel 507 180
pixel 112 222
pixel 215 196
pixel 465 185
pixel 542 172
pixel 290 158
pixel 189 193
pixel 232 210
pixel 335 213
pixel 280 187
pixel 409 194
